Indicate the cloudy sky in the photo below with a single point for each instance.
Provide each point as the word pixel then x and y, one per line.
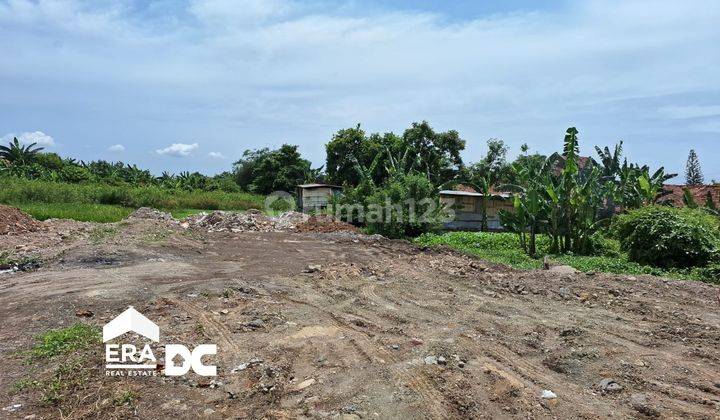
pixel 174 85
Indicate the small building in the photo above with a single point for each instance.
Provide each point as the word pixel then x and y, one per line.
pixel 313 197
pixel 467 206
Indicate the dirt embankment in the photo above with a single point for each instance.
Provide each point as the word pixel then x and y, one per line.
pixel 14 222
pixel 345 325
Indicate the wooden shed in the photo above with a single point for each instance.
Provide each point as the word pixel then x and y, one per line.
pixel 313 197
pixel 468 209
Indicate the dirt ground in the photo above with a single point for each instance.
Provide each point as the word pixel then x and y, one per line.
pixel 341 325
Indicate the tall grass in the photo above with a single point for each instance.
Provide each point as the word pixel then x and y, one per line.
pixel 504 248
pixel 16 190
pixel 102 213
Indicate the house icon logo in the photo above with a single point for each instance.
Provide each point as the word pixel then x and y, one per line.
pixel 127 360
pixel 131 321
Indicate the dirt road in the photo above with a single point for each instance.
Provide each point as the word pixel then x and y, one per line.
pixel 381 329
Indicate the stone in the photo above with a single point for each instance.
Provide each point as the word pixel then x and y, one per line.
pixel 609 385
pixel 548 395
pixel 431 360
pixel 304 384
pixel 441 360
pixel 312 268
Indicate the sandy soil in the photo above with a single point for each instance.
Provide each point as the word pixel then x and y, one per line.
pixel 381 329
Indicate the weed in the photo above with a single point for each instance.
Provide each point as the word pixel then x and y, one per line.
pixel 25 384
pixel 228 293
pixel 504 248
pixel 125 398
pixel 65 340
pixel 101 233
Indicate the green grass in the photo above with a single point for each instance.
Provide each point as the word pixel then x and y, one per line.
pixel 183 213
pixel 64 341
pixel 504 248
pixel 102 213
pixel 18 190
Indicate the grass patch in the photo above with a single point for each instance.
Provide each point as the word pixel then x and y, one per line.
pixel 65 340
pixel 183 213
pixel 9 260
pixel 504 248
pixel 18 190
pixel 102 233
pixel 125 398
pixel 101 213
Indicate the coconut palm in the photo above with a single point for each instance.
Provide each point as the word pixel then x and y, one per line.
pixel 17 154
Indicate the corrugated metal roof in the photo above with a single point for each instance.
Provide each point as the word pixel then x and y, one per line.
pixel 318 186
pixel 473 194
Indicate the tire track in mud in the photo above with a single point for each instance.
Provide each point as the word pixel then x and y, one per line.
pixel 430 397
pixel 214 326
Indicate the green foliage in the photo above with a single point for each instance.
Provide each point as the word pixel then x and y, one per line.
pixel 434 154
pixel 406 206
pixel 17 154
pixel 32 193
pixel 65 340
pixel 100 213
pixel 505 248
pixel 668 237
pixel 264 171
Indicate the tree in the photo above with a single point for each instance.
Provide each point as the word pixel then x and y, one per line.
pixel 486 174
pixel 349 147
pixel 436 153
pixel 693 172
pixel 17 154
pixel 264 171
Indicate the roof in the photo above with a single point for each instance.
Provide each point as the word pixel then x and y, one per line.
pixel 699 193
pixel 318 186
pixel 582 162
pixel 474 194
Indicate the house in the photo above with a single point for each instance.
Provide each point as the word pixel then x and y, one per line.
pixel 466 203
pixel 313 197
pixel 699 192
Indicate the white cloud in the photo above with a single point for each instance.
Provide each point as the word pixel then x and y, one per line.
pixel 42 139
pixel 116 148
pixel 261 71
pixel 216 155
pixel 692 111
pixel 178 149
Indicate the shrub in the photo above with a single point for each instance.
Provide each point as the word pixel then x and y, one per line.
pixel 668 237
pixel 406 206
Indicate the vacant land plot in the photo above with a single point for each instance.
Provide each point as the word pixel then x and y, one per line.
pixel 341 324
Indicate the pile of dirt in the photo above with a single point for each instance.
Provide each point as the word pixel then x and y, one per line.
pixel 325 224
pixel 250 221
pixel 151 214
pixel 15 222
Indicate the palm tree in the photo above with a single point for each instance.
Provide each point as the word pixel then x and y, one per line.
pixel 17 154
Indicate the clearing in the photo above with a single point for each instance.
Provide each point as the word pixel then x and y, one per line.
pixel 339 324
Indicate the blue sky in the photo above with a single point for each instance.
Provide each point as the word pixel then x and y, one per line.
pixel 174 85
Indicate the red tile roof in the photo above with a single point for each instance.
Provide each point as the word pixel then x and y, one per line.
pixel 699 193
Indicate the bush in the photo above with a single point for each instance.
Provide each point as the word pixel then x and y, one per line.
pixel 668 237
pixel 407 206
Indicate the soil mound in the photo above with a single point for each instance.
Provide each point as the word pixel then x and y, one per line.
pixel 15 222
pixel 250 221
pixel 150 213
pixel 325 224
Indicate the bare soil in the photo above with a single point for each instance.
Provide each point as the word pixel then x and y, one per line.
pixel 380 329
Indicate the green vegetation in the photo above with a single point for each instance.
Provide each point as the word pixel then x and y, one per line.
pixel 505 248
pixel 669 237
pixel 64 341
pixel 264 171
pixel 434 154
pixel 125 398
pixel 101 213
pixel 18 190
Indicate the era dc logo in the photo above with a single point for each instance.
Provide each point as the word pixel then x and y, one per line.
pixel 127 360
